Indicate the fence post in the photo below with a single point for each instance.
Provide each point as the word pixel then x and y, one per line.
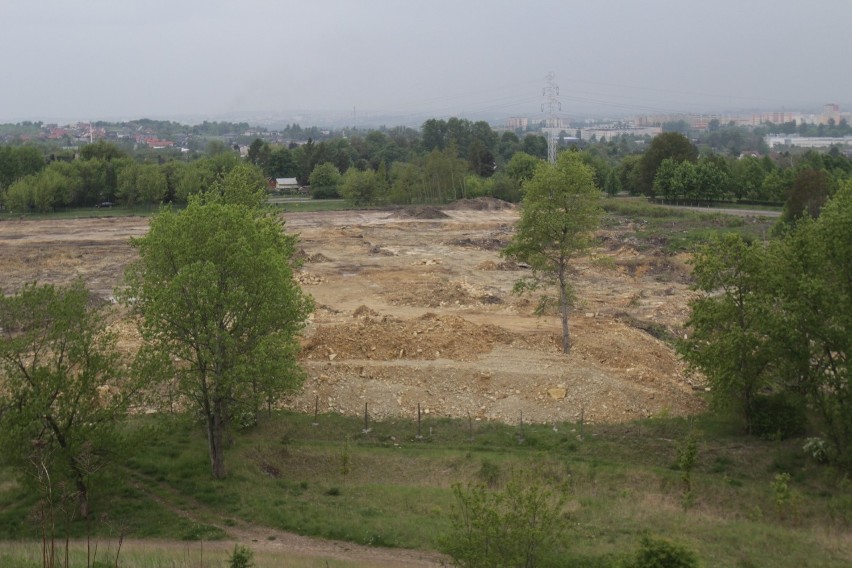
pixel 366 421
pixel 316 411
pixel 521 428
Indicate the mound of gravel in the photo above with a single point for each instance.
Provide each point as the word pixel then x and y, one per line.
pixel 481 204
pixel 419 212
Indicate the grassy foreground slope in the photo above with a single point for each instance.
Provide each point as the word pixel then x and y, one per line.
pixel 623 482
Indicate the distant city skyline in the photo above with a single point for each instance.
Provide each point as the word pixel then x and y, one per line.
pixel 397 61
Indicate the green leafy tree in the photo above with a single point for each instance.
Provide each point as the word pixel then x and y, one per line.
pixel 612 184
pixel 281 163
pixel 16 163
pixel 141 184
pixel 535 145
pixel 443 175
pixel 259 153
pixel 776 185
pixel 244 184
pixel 521 167
pixel 361 188
pixel 325 181
pixel 667 145
pixel 809 192
pixel 42 192
pixel 63 395
pixel 560 209
pixel 727 338
pixel 667 181
pixel 814 289
pixel 219 309
pixel 93 181
pixel 508 145
pixel 628 173
pixel 505 188
pixel 406 183
pixel 748 176
pixel 102 150
pixel 713 178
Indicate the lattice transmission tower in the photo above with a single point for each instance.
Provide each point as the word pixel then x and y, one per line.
pixel 551 106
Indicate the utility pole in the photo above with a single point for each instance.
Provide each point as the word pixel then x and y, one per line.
pixel 550 92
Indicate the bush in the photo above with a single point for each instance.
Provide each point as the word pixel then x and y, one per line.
pixel 659 553
pixel 778 416
pixel 489 473
pixel 520 525
pixel 241 557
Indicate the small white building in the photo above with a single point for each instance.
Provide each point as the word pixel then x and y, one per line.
pixel 286 184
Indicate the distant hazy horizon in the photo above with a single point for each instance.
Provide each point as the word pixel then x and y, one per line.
pixel 397 61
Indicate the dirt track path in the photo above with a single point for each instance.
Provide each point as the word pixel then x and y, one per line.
pixel 272 541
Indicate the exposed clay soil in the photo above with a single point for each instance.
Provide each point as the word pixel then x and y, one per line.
pixel 415 306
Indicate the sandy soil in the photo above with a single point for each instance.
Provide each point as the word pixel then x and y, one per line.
pixel 415 306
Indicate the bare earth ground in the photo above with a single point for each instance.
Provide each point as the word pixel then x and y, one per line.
pixel 415 306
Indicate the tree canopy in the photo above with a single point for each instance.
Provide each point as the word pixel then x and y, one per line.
pixel 777 319
pixel 220 310
pixel 671 145
pixel 62 392
pixel 560 209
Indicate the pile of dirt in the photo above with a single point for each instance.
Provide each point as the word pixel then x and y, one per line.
pixel 303 256
pixel 376 250
pixel 363 310
pixel 440 293
pixel 421 212
pixel 306 278
pixel 504 265
pixel 481 204
pixel 428 337
pixel 483 243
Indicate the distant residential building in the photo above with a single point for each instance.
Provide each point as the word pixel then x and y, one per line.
pixel 153 142
pixel 517 123
pixel 702 121
pixel 831 111
pixel 806 141
pixel 607 133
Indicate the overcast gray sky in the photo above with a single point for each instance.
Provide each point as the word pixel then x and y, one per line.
pixel 125 59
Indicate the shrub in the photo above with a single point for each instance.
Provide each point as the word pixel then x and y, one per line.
pixel 241 557
pixel 489 473
pixel 659 553
pixel 520 525
pixel 778 416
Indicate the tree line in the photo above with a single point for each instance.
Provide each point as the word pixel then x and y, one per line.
pixel 443 161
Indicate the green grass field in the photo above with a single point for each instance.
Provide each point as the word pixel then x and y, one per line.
pixel 679 230
pixel 287 474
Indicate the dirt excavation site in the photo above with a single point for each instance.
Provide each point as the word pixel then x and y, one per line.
pixel 416 306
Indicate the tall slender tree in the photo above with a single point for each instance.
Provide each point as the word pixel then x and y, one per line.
pixel 560 209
